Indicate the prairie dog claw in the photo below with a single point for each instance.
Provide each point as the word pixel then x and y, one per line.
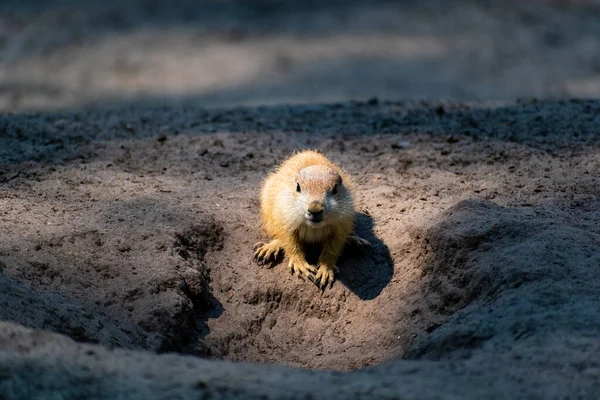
pixel 267 253
pixel 325 277
pixel 302 269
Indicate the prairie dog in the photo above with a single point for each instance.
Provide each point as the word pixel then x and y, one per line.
pixel 307 200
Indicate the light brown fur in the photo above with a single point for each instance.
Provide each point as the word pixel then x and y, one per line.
pixel 307 200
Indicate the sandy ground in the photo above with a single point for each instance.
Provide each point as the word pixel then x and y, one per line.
pixel 71 53
pixel 484 223
pixel 129 213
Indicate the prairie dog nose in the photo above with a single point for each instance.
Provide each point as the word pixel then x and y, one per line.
pixel 315 207
pixel 315 211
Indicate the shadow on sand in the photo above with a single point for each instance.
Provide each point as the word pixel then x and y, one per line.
pixel 363 270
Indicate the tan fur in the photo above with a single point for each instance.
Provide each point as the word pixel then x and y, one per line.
pixel 286 214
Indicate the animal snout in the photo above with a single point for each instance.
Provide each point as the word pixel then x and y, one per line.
pixel 315 211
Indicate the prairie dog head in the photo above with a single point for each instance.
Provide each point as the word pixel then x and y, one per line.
pixel 321 196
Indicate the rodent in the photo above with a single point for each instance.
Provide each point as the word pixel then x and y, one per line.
pixel 307 200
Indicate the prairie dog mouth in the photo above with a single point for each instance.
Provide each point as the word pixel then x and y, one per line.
pixel 314 222
pixel 314 218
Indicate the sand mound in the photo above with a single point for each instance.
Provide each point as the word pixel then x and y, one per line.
pixel 483 267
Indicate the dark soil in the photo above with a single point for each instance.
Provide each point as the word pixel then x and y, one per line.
pixel 129 203
pixel 153 231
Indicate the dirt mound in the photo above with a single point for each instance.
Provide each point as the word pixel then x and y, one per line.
pixel 127 264
pixel 51 312
pixel 484 242
pixel 509 260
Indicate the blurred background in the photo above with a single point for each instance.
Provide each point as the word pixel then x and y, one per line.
pixel 70 54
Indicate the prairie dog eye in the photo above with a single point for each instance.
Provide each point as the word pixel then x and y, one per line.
pixel 334 190
pixel 298 188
